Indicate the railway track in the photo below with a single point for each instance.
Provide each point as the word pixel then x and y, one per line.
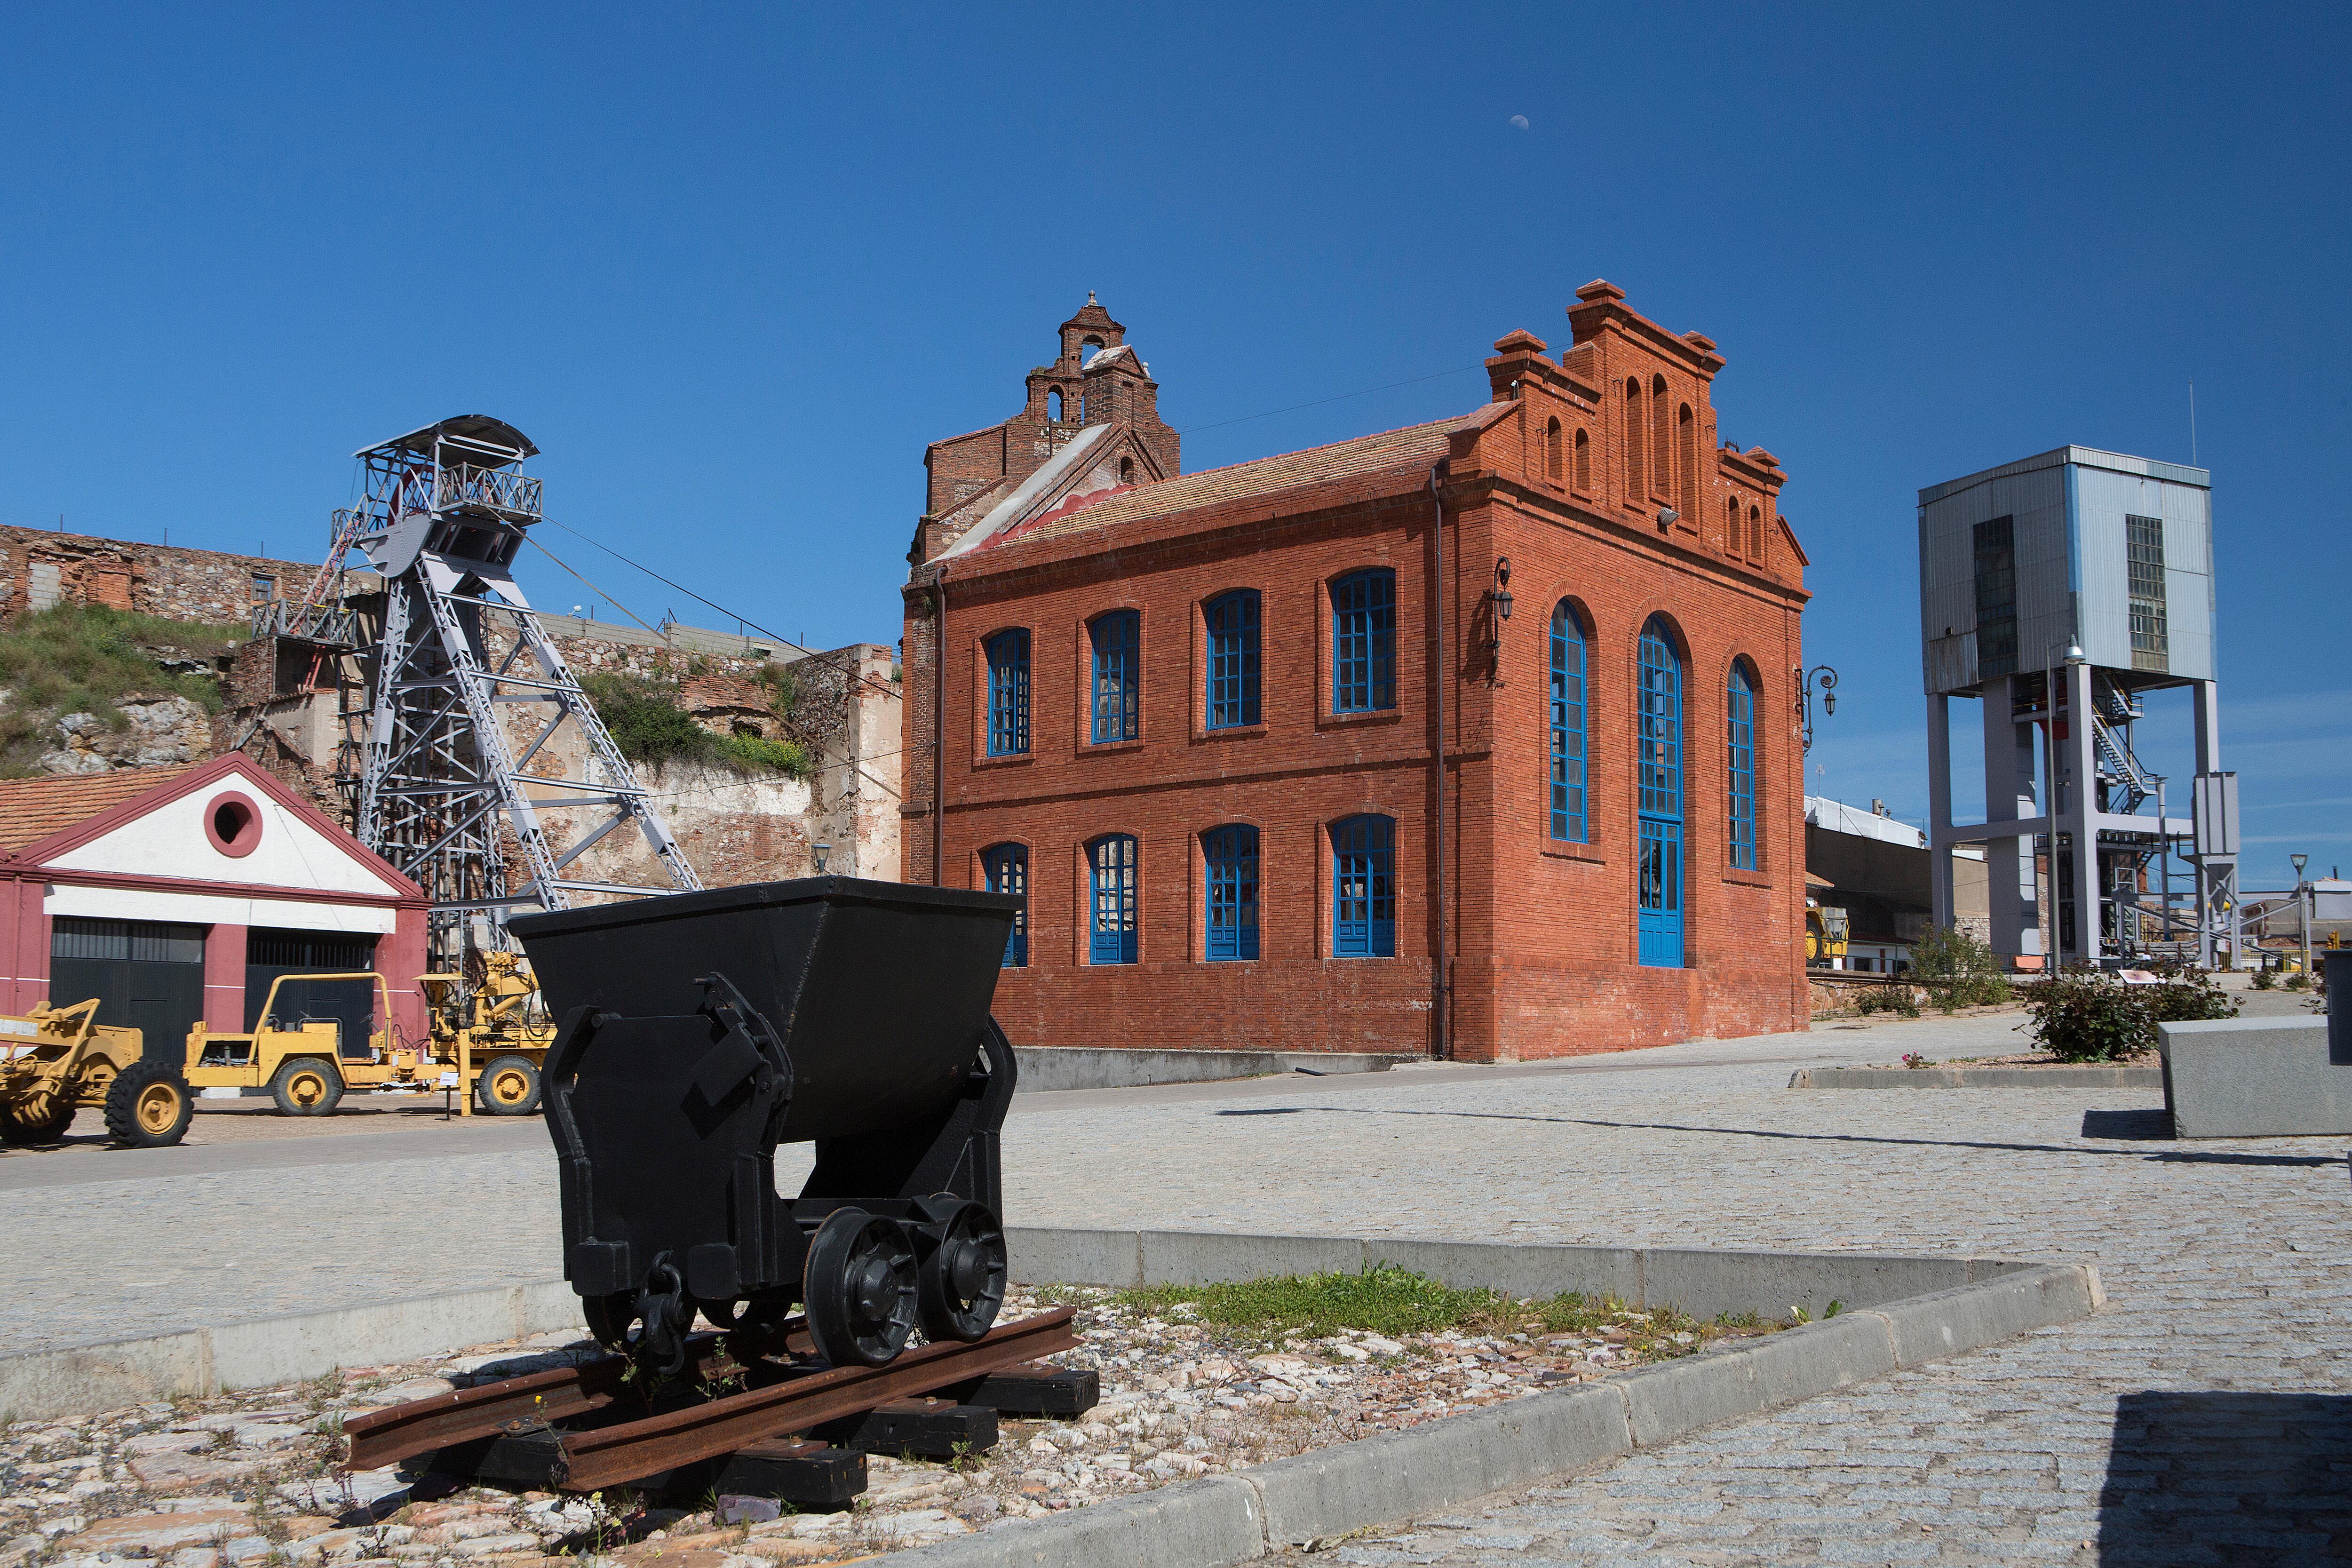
pixel 787 1391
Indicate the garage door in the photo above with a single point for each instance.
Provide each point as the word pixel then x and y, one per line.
pixel 271 953
pixel 147 974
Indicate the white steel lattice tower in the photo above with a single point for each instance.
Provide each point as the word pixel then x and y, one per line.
pixel 438 769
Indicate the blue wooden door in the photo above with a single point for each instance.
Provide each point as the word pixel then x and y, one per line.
pixel 1659 764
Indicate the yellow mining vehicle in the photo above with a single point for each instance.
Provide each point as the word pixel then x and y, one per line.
pixel 307 1063
pixel 55 1060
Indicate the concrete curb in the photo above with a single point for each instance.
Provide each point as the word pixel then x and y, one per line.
pixel 1046 1068
pixel 83 1380
pixel 1444 1463
pixel 1978 1078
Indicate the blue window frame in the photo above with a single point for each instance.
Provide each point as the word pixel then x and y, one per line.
pixel 1229 858
pixel 1008 693
pixel 1363 642
pixel 1233 621
pixel 1658 763
pixel 1119 678
pixel 1007 865
pixel 1568 821
pixel 1739 710
pixel 1111 863
pixel 1363 887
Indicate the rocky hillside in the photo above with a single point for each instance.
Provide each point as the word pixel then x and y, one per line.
pixel 84 689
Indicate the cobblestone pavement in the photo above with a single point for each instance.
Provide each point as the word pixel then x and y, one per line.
pixel 2221 1357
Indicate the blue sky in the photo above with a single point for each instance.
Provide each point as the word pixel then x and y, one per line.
pixel 733 267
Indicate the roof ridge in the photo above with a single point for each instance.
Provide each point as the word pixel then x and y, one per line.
pixel 1331 446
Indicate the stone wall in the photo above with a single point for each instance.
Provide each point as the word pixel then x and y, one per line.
pixel 39 568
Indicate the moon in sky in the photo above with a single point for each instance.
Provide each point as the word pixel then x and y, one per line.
pixel 1518 121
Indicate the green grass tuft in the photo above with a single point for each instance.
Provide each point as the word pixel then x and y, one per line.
pixel 82 658
pixel 1382 1299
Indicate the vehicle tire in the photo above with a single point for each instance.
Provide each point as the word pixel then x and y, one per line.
pixel 307 1086
pixel 149 1106
pixel 960 1284
pixel 46 1122
pixel 860 1289
pixel 508 1087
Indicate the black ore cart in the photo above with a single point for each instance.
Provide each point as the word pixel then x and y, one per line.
pixel 700 1030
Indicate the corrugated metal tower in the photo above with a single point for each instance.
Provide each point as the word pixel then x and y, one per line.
pixel 2060 590
pixel 438 769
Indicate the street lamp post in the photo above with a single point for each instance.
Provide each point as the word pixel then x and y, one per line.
pixel 2303 907
pixel 1824 677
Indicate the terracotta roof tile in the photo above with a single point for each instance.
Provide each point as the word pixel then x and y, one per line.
pixel 32 809
pixel 1414 446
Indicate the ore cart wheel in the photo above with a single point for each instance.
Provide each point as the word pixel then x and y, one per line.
pixel 859 1288
pixel 960 1284
pixel 43 1121
pixel 307 1086
pixel 148 1106
pixel 508 1087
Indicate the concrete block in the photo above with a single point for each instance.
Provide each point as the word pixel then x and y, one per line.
pixel 1523 1272
pixel 1664 1401
pixel 546 1306
pixel 1196 1257
pixel 1978 1078
pixel 54 1384
pixel 2254 1078
pixel 1075 1257
pixel 1708 1284
pixel 1193 1524
pixel 1440 1465
pixel 1797 1363
pixel 1928 1328
pixel 282 1350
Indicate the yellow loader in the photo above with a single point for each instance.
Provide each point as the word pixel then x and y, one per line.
pixel 55 1060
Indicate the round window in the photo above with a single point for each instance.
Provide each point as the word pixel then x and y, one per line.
pixel 233 824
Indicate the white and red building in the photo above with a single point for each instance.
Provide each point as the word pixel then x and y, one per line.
pixel 177 894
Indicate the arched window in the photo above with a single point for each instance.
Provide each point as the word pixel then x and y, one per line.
pixel 1229 863
pixel 1118 678
pixel 1658 763
pixel 1583 459
pixel 1739 713
pixel 1233 626
pixel 1635 475
pixel 1363 887
pixel 1662 447
pixel 1112 875
pixel 1755 533
pixel 1363 642
pixel 1008 693
pixel 1687 462
pixel 1569 823
pixel 1126 470
pixel 1551 449
pixel 1732 525
pixel 1088 348
pixel 1007 865
pixel 1053 405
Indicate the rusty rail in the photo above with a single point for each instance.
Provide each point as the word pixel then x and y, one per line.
pixel 402 1431
pixel 630 1450
pixel 610 1455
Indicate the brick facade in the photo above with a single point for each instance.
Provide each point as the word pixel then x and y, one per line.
pixel 1558 473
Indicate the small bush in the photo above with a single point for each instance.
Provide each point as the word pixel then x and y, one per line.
pixel 2187 996
pixel 2264 980
pixel 2298 981
pixel 646 723
pixel 1957 970
pixel 753 752
pixel 2085 1017
pixel 1889 998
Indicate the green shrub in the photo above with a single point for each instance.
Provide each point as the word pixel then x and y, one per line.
pixel 1892 997
pixel 2085 1017
pixel 2187 996
pixel 1957 970
pixel 646 723
pixel 2264 980
pixel 2298 981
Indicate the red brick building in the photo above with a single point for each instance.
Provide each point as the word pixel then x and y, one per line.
pixel 1195 719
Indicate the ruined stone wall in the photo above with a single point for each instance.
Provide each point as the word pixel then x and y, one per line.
pixel 40 569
